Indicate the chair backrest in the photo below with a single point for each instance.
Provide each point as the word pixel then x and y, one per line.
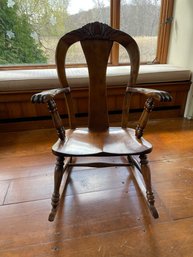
pixel 96 40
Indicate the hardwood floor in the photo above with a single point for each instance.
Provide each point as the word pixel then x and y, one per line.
pixel 103 213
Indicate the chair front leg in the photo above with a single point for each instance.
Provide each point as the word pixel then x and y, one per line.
pixel 58 174
pixel 146 173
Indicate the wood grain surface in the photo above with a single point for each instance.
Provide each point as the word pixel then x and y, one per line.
pixel 103 212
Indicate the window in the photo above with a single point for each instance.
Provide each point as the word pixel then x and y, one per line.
pixel 30 29
pixel 140 18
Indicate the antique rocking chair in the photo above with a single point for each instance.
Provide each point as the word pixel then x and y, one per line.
pixel 99 139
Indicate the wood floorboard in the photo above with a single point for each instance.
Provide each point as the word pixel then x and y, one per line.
pixel 177 196
pixel 160 239
pixel 27 189
pixel 103 213
pixel 79 215
pixel 172 169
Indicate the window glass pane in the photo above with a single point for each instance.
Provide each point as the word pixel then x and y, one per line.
pixel 75 54
pixel 30 29
pixel 140 19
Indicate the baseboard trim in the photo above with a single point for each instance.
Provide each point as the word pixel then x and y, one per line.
pixel 42 122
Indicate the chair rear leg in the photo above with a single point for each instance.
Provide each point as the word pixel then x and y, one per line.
pixel 146 173
pixel 58 174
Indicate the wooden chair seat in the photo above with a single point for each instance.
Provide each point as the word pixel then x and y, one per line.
pixel 114 141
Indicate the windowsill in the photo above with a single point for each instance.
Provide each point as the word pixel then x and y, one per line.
pixel 40 79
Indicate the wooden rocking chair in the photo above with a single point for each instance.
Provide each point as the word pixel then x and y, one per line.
pixel 99 139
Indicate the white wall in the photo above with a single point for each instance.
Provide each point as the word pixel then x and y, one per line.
pixel 181 43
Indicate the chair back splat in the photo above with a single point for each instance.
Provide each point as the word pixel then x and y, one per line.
pixel 97 54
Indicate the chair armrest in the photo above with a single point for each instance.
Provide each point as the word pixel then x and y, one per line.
pixel 152 94
pixel 47 95
pixel 161 96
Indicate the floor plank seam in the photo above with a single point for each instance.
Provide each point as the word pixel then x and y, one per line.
pixel 76 194
pixel 23 202
pixel 6 194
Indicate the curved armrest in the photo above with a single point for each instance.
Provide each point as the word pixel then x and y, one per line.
pixel 161 96
pixel 46 96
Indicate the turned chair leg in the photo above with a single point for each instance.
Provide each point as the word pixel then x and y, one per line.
pixel 58 174
pixel 146 173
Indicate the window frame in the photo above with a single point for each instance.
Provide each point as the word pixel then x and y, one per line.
pixel 115 8
pixel 166 18
pixel 165 23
